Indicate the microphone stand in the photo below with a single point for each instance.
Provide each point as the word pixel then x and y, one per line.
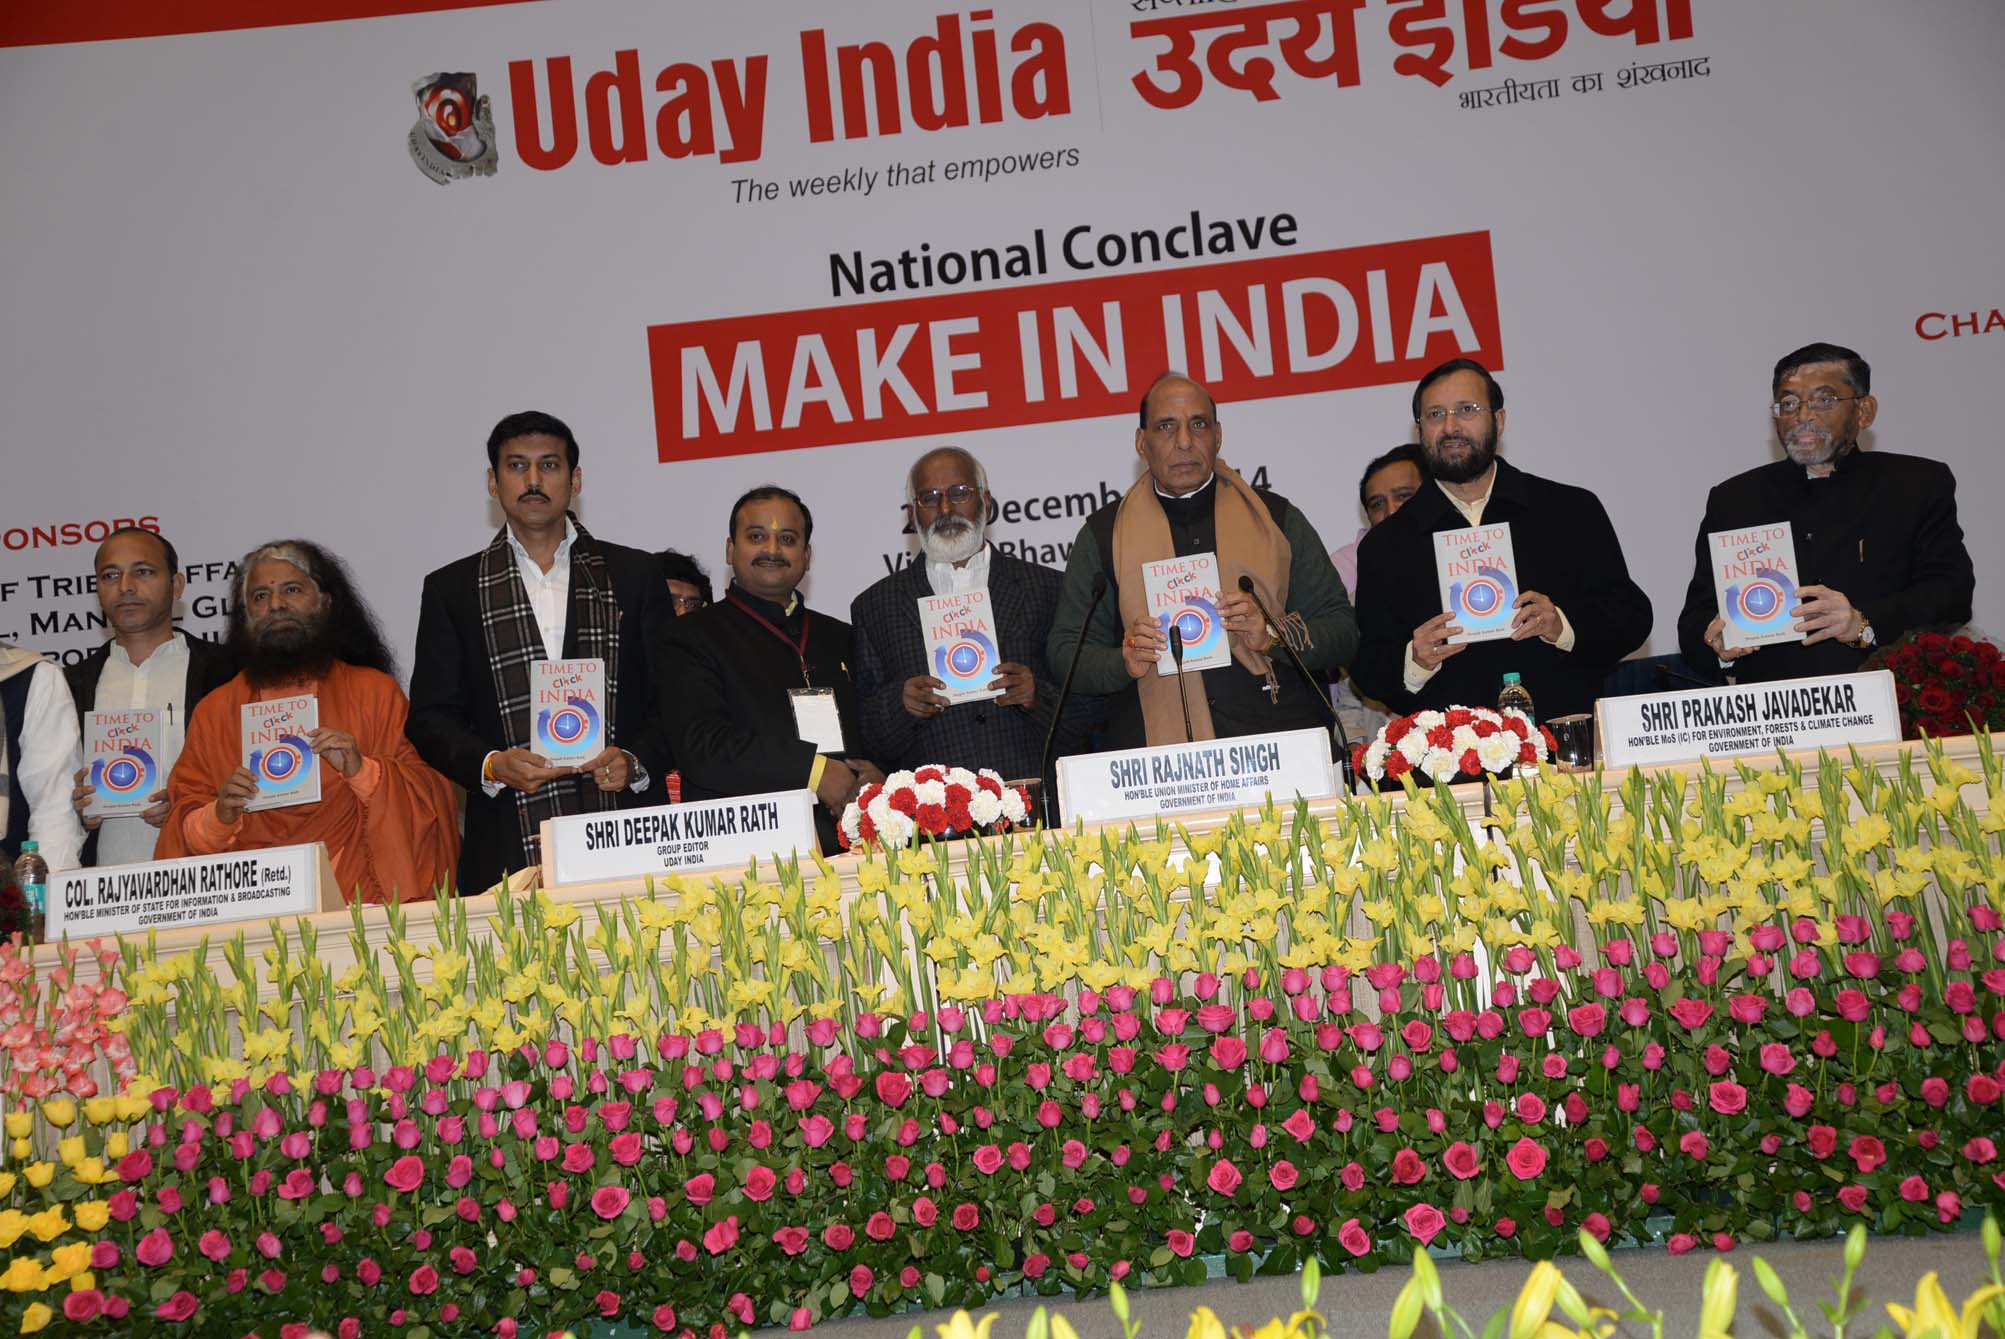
pixel 1045 775
pixel 1183 694
pixel 1316 690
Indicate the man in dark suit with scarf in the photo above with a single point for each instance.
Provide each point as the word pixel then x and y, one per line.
pixel 543 589
pixel 907 723
pixel 1191 502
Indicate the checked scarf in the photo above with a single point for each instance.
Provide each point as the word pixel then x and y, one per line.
pixel 514 643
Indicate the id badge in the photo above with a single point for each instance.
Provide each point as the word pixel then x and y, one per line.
pixel 817 720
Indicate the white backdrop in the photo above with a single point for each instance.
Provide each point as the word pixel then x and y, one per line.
pixel 235 305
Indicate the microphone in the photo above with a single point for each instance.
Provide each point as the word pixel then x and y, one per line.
pixel 1316 690
pixel 1045 776
pixel 1183 694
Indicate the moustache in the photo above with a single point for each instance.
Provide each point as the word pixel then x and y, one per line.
pixel 769 562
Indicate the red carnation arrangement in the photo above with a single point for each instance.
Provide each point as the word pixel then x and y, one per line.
pixel 1946 685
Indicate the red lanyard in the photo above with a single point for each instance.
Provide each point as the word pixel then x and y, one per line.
pixel 800 648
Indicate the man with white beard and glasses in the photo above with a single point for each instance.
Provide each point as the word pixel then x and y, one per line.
pixel 906 721
pixel 1879 552
pixel 1577 613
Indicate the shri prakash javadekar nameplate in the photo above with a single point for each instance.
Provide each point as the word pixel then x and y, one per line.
pixel 1175 779
pixel 678 838
pixel 1827 711
pixel 202 890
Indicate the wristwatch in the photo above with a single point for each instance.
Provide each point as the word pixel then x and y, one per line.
pixel 1865 640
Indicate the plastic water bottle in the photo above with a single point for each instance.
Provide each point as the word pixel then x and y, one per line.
pixel 1515 694
pixel 31 875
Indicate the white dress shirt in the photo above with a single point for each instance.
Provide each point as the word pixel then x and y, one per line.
pixel 157 683
pixel 51 752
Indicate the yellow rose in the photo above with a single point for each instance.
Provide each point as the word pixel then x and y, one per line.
pixel 59 1111
pixel 69 1260
pixel 91 1215
pixel 36 1317
pixel 20 1124
pixel 71 1150
pixel 24 1275
pixel 40 1174
pixel 49 1224
pixel 117 1144
pixel 98 1110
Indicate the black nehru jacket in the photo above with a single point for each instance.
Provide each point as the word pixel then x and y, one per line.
pixel 1881 530
pixel 730 677
pixel 1565 549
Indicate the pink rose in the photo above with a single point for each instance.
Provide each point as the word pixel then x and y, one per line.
pixel 988 1159
pixel 1181 1243
pixel 1867 1152
pixel 1727 1098
pixel 1408 1167
pixel 1461 1161
pixel 156 1248
pixel 1224 1178
pixel 1694 1144
pixel 1425 1222
pixel 722 1236
pixel 1526 1159
pixel 1283 1175
pixel 1353 1238
pixel 610 1202
pixel 699 1188
pixel 1228 1052
pixel 405 1173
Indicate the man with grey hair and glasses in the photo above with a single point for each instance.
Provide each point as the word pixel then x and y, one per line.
pixel 1879 552
pixel 906 717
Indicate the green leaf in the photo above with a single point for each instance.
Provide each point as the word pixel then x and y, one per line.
pixel 936 1288
pixel 564 1278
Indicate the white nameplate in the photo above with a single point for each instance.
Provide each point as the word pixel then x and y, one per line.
pixel 677 838
pixel 1828 711
pixel 201 890
pixel 1176 779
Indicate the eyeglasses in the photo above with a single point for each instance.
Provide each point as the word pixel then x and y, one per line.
pixel 687 604
pixel 958 494
pixel 1820 402
pixel 1438 415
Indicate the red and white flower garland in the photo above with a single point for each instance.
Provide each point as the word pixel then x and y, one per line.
pixel 933 801
pixel 1461 741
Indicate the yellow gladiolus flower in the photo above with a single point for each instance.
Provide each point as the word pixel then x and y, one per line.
pixel 1933 1312
pixel 1531 1312
pixel 961 1326
pixel 1205 1324
pixel 36 1317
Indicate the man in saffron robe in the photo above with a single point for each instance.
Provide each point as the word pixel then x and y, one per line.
pixel 387 818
